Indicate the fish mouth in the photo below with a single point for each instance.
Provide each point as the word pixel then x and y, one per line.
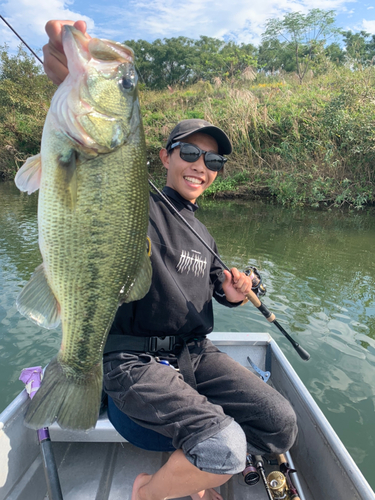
pixel 80 50
pixel 78 107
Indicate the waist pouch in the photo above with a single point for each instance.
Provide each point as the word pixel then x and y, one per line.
pixel 167 344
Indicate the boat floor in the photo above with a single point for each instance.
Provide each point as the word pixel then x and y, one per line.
pixel 110 471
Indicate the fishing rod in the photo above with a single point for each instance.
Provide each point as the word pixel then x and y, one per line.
pixel 251 296
pixel 259 464
pixel 35 55
pixel 23 41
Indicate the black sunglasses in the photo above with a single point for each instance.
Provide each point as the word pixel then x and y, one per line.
pixel 191 153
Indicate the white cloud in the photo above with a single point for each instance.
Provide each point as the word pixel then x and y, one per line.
pixel 28 18
pixel 240 19
pixel 368 26
pixel 368 8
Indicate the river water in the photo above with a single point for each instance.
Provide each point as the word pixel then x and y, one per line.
pixel 320 275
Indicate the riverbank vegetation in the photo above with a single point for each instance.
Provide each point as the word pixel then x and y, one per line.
pixel 299 111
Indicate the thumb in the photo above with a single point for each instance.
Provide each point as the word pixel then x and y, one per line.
pixel 228 278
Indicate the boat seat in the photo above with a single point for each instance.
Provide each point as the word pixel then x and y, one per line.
pixel 114 426
pixel 141 437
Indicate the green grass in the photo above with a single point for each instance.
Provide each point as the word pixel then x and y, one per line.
pixel 224 184
pixel 310 144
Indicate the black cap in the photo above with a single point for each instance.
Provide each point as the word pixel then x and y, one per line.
pixel 187 127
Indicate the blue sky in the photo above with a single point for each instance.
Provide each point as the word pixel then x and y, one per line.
pixel 239 20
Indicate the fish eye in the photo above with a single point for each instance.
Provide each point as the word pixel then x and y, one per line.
pixel 127 83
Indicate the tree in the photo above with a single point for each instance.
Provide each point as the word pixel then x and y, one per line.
pixel 23 85
pixel 358 48
pixel 207 61
pixel 335 53
pixel 236 58
pixel 171 61
pixel 302 34
pixel 164 62
pixel 25 94
pixel 274 55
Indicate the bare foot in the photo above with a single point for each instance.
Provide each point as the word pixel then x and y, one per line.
pixel 209 494
pixel 140 481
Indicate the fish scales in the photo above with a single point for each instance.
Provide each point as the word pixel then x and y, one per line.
pixel 91 264
pixel 92 218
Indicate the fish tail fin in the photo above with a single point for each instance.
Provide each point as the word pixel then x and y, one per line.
pixel 64 397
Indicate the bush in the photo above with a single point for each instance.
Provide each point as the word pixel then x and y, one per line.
pixel 303 144
pixel 25 94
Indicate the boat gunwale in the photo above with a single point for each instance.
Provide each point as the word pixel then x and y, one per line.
pixel 11 411
pixel 343 457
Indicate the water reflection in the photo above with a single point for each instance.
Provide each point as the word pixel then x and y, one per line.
pixel 21 342
pixel 320 276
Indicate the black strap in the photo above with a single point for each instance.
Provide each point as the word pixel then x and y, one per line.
pixel 167 344
pixel 140 344
pixel 185 366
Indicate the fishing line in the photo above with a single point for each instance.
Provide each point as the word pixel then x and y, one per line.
pixel 251 295
pixel 165 199
pixel 23 41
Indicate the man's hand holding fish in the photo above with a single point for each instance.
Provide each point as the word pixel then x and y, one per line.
pixel 55 64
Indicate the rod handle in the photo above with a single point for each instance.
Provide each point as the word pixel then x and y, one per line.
pixel 50 471
pixel 281 459
pixel 262 308
pixel 303 354
pixel 284 467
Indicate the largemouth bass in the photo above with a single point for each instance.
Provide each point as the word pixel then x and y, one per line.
pixel 92 219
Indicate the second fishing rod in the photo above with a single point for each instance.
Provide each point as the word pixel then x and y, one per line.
pixel 251 296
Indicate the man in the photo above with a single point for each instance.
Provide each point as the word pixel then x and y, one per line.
pixel 212 408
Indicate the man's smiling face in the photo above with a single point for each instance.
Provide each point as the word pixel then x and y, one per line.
pixel 190 179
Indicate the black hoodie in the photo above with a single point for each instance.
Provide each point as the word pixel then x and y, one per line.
pixel 185 277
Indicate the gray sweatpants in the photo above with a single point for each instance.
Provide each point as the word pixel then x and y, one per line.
pixel 203 422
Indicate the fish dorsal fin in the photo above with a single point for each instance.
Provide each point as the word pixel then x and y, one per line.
pixel 29 175
pixel 142 281
pixel 37 301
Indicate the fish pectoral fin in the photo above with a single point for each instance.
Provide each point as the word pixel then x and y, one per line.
pixel 142 281
pixel 68 172
pixel 37 301
pixel 28 176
